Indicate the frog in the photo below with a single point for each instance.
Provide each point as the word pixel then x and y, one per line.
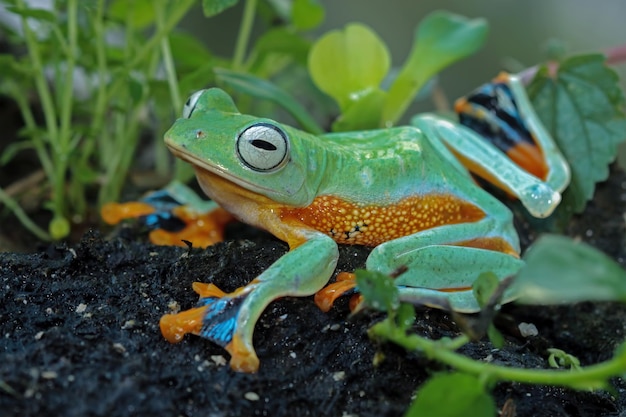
pixel 408 192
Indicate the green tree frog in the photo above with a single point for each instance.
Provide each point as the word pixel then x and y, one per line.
pixel 405 191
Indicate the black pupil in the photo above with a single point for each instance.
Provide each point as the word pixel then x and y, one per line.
pixel 263 144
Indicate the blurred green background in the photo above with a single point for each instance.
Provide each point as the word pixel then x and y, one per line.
pixel 520 31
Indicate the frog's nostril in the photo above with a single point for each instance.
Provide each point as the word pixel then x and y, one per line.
pixel 199 134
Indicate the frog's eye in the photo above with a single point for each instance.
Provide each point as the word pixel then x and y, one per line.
pixel 263 147
pixel 191 104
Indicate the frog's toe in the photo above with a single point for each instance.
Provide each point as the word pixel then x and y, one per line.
pixel 243 358
pixel 175 326
pixel 214 318
pixel 114 213
pixel 205 290
pixel 345 285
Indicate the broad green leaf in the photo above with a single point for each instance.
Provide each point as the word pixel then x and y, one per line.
pixel 350 64
pixel 379 290
pixel 141 12
pixel 452 395
pixel 213 7
pixel 441 39
pixel 265 90
pixel 581 108
pixel 560 270
pixel 363 114
pixel 282 41
pixel 307 14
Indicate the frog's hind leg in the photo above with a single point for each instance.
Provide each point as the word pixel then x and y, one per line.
pixel 505 144
pixel 443 262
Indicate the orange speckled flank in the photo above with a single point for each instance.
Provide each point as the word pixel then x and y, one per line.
pixel 371 225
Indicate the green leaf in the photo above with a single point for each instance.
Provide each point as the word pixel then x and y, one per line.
pixel 560 270
pixel 213 7
pixel 141 12
pixel 581 108
pixel 10 68
pixel 484 287
pixel 282 41
pixel 265 90
pixel 38 14
pixel 495 337
pixel 379 290
pixel 363 114
pixel 13 149
pixel 188 52
pixel 201 77
pixel 441 39
pixel 307 14
pixel 350 64
pixel 452 395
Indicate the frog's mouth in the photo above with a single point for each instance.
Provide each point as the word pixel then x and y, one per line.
pixel 204 166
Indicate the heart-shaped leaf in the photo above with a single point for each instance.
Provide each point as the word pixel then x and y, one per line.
pixel 581 108
pixel 350 64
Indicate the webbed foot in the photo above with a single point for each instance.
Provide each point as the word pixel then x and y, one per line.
pixel 171 219
pixel 214 318
pixel 344 285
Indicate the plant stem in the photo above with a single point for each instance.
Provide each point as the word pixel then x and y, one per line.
pixel 593 376
pixel 97 133
pixel 12 205
pixel 247 21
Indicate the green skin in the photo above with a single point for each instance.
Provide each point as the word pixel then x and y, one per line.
pixel 377 167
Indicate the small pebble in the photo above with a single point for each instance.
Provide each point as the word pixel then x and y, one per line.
pixel 251 396
pixel 528 329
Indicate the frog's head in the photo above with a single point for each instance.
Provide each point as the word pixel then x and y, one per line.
pixel 257 154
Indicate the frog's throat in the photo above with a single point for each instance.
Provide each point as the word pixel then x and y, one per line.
pixel 246 205
pixel 201 164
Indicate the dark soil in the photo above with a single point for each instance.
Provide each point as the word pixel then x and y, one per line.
pixel 79 336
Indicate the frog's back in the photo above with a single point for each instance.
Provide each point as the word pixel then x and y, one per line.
pixel 385 166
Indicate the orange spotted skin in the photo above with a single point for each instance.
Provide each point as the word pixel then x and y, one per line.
pixel 371 225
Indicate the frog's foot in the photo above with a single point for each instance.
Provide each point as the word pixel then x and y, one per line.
pixel 214 318
pixel 202 229
pixel 345 285
pixel 114 213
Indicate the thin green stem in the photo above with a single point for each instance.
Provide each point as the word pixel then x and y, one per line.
pixel 168 61
pixel 97 133
pixel 21 215
pixel 593 376
pixel 243 38
pixel 40 80
pixel 67 101
pixel 179 9
pixel 31 125
pixel 161 160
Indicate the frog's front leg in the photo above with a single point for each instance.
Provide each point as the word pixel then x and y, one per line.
pixel 229 319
